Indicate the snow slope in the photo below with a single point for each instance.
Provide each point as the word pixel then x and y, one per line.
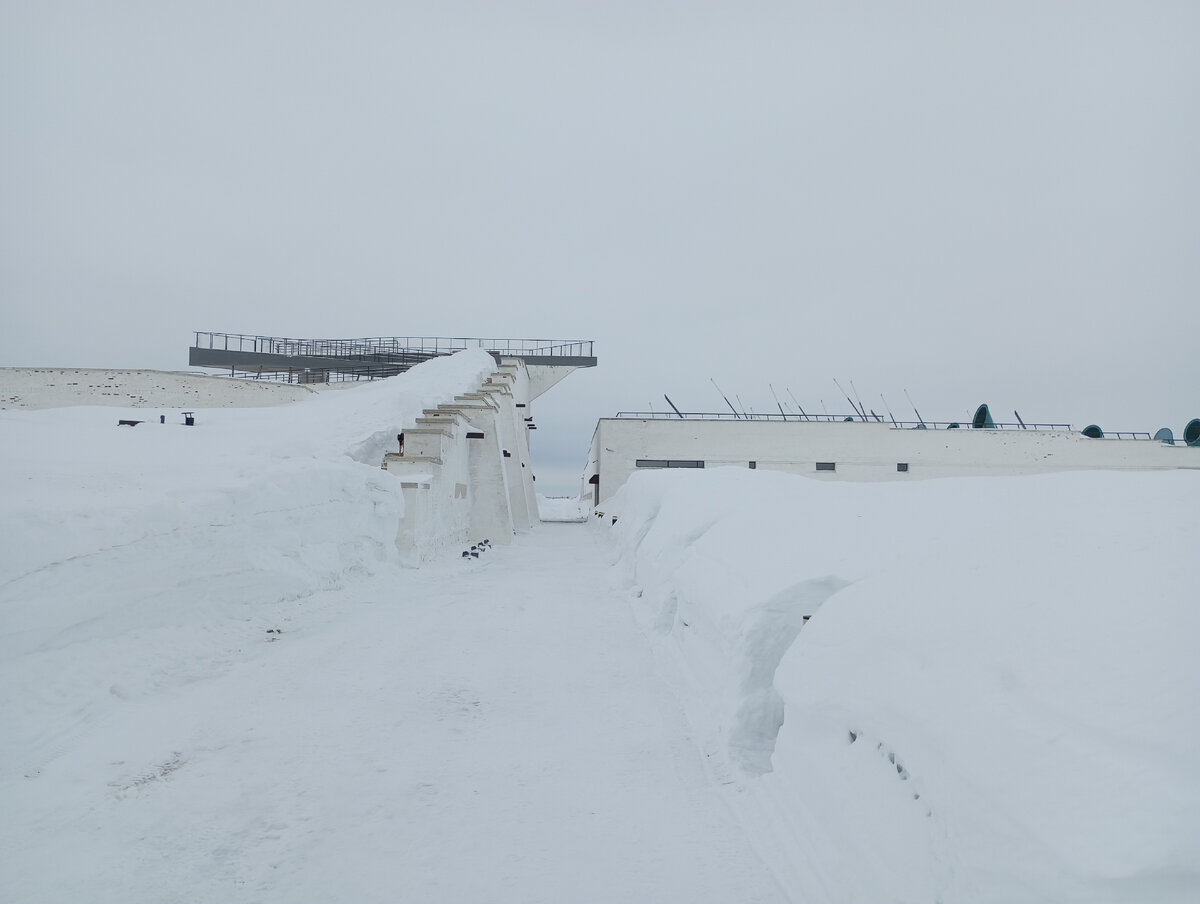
pixel 997 697
pixel 63 387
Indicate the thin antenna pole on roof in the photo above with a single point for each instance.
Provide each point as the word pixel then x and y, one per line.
pixel 780 407
pixel 823 408
pixel 848 399
pixel 740 405
pixel 799 407
pixel 1019 421
pixel 877 417
pixel 725 397
pixel 888 410
pixel 914 407
pixel 858 399
pixel 672 404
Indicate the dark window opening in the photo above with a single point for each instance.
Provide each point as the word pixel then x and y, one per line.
pixel 668 463
pixel 827 466
pixel 753 465
pixel 902 466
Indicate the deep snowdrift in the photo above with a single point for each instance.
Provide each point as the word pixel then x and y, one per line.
pixel 123 542
pixel 997 697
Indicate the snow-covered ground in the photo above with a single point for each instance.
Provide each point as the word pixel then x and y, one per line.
pixel 217 683
pixel 561 508
pixel 166 391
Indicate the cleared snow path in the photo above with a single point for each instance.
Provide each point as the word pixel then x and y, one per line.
pixel 488 730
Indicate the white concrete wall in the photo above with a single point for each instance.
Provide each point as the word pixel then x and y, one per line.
pixel 514 448
pixel 459 485
pixel 436 478
pixel 523 395
pixel 862 450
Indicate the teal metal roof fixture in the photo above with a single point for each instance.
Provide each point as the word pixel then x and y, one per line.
pixel 1191 433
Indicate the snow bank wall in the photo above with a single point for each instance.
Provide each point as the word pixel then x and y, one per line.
pixel 138 543
pixel 995 695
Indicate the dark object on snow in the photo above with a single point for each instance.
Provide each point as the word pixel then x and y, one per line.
pixel 189 418
pixel 124 423
pixel 162 418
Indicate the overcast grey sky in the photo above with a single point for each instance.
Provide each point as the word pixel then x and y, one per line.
pixel 975 202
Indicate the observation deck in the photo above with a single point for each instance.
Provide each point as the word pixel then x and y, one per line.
pixel 323 360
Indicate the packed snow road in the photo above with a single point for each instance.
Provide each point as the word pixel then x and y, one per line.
pixel 482 730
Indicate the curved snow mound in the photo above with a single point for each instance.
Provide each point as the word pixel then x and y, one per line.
pixel 994 697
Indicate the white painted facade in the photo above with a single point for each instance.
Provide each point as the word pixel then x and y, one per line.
pixel 856 450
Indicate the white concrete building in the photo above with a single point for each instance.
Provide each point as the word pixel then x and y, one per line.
pixel 858 449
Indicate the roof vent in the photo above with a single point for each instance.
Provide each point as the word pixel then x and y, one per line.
pixel 1191 433
pixel 983 418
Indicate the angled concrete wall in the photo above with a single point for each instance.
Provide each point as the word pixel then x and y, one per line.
pixel 465 469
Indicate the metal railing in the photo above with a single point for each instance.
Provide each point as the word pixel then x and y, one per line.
pixel 301 375
pixel 830 418
pixel 857 418
pixel 385 346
